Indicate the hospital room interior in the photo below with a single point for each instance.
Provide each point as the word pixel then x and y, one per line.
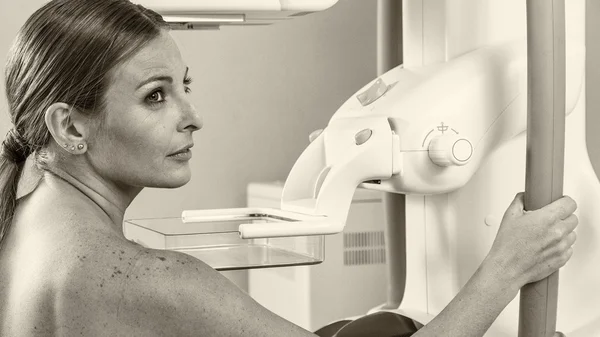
pixel 270 93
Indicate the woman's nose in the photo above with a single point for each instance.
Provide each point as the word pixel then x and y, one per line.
pixel 191 119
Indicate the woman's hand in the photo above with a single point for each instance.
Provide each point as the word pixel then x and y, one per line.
pixel 528 247
pixel 531 246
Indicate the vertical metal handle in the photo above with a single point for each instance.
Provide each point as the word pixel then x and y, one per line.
pixel 545 146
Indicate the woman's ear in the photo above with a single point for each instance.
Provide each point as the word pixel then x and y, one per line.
pixel 69 127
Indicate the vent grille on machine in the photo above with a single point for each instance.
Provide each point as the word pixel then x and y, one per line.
pixel 363 248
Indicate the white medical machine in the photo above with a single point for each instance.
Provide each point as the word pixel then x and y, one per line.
pixel 314 296
pixel 452 132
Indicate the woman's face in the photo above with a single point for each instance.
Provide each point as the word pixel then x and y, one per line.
pixel 148 119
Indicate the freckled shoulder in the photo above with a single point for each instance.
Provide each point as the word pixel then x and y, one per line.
pixel 113 287
pixel 174 294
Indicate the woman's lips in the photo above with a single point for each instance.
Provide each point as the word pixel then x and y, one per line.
pixel 182 155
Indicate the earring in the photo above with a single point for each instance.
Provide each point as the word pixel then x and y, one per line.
pixel 80 146
pixel 72 148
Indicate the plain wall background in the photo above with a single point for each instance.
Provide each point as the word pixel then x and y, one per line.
pixel 262 90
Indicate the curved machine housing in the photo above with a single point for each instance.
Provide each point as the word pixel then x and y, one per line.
pixel 394 136
pixel 419 131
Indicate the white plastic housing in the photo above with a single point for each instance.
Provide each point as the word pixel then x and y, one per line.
pixel 480 96
pixel 381 138
pixel 429 130
pixel 202 14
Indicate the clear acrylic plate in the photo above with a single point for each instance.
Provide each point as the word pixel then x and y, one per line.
pixel 217 242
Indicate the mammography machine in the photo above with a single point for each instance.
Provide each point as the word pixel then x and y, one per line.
pixel 450 134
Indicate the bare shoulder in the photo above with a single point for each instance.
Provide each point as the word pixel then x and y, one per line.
pixel 182 296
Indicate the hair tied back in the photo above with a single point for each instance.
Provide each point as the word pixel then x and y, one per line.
pixel 15 147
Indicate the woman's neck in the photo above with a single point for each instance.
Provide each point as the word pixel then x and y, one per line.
pixel 110 200
pixel 79 184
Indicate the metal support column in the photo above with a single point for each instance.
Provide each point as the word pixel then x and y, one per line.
pixel 389 55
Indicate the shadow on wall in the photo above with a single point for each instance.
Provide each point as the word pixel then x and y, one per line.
pixel 593 81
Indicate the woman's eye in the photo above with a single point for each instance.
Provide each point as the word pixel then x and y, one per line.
pixel 156 97
pixel 187 81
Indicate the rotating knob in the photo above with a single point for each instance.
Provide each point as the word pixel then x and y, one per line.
pixel 446 150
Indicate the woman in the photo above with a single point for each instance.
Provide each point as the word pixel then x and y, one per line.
pixel 97 95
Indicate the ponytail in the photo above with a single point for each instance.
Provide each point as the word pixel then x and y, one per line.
pixel 13 154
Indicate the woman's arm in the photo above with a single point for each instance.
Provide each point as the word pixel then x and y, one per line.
pixel 176 294
pixel 182 296
pixel 528 247
pixel 475 308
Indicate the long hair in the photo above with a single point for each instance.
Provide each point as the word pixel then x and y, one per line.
pixel 63 53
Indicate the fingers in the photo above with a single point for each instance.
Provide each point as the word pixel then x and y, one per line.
pixel 563 231
pixel 571 238
pixel 557 210
pixel 567 256
pixel 570 223
pixel 560 209
pixel 564 249
pixel 567 242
